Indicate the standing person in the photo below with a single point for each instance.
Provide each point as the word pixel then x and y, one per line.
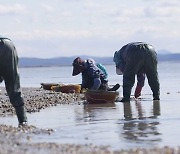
pixel 137 58
pixel 94 75
pixel 9 73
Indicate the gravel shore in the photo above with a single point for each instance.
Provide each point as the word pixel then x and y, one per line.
pixel 17 140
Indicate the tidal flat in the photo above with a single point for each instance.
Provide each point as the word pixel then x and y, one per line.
pixel 19 140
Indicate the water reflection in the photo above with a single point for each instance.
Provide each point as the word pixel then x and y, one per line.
pixel 156 108
pixel 91 107
pixel 141 128
pixel 155 112
pixel 141 112
pixel 97 112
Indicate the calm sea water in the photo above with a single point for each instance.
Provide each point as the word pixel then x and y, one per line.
pixel 32 77
pixel 142 123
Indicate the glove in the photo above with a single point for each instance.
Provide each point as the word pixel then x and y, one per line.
pixel 138 91
pixel 83 90
pixel 114 88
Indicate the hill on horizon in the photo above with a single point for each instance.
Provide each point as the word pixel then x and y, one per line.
pixel 62 61
pixel 59 61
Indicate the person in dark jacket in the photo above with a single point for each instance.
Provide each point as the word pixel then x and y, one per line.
pixel 94 75
pixel 9 73
pixel 137 58
pixel 140 76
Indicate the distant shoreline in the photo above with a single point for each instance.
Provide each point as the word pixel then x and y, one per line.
pixel 67 61
pixel 65 65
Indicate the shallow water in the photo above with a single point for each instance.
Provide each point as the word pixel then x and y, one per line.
pixel 143 123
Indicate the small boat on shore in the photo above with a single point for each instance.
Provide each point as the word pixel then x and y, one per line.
pixel 99 96
pixel 71 88
pixel 47 86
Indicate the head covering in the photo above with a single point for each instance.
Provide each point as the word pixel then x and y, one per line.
pixel 77 66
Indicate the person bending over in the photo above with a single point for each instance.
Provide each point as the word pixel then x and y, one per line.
pixel 94 75
pixel 137 58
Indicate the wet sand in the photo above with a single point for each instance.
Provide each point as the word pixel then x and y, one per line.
pixel 20 139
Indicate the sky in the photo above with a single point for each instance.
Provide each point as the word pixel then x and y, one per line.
pixel 64 28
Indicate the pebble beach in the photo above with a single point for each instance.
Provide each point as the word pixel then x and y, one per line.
pixel 19 139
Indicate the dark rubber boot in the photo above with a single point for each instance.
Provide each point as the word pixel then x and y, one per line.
pixel 137 91
pixel 156 98
pixel 114 88
pixel 21 115
pixel 125 100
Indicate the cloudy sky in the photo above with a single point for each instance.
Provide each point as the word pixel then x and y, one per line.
pixel 54 28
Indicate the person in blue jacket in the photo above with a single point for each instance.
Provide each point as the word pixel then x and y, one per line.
pixel 137 58
pixel 9 73
pixel 94 75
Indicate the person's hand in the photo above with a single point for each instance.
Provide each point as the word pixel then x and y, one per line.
pixel 1 79
pixel 137 91
pixel 83 90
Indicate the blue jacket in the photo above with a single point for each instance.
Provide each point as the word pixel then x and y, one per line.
pixel 92 72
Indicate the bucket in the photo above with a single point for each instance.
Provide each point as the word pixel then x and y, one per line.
pixel 99 96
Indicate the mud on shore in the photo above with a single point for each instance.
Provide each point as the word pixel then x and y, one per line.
pixel 18 140
pixel 37 99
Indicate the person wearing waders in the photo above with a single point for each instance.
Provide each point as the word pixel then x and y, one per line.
pixel 137 58
pixel 9 73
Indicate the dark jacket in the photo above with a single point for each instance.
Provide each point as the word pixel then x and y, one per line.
pixel 9 73
pixel 120 58
pixel 137 58
pixel 92 71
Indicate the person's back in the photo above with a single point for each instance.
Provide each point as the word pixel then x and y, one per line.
pixel 100 66
pixel 91 72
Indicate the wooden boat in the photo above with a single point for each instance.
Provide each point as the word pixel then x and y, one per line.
pixel 99 96
pixel 47 86
pixel 71 88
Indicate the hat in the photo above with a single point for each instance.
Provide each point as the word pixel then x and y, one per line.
pixel 77 65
